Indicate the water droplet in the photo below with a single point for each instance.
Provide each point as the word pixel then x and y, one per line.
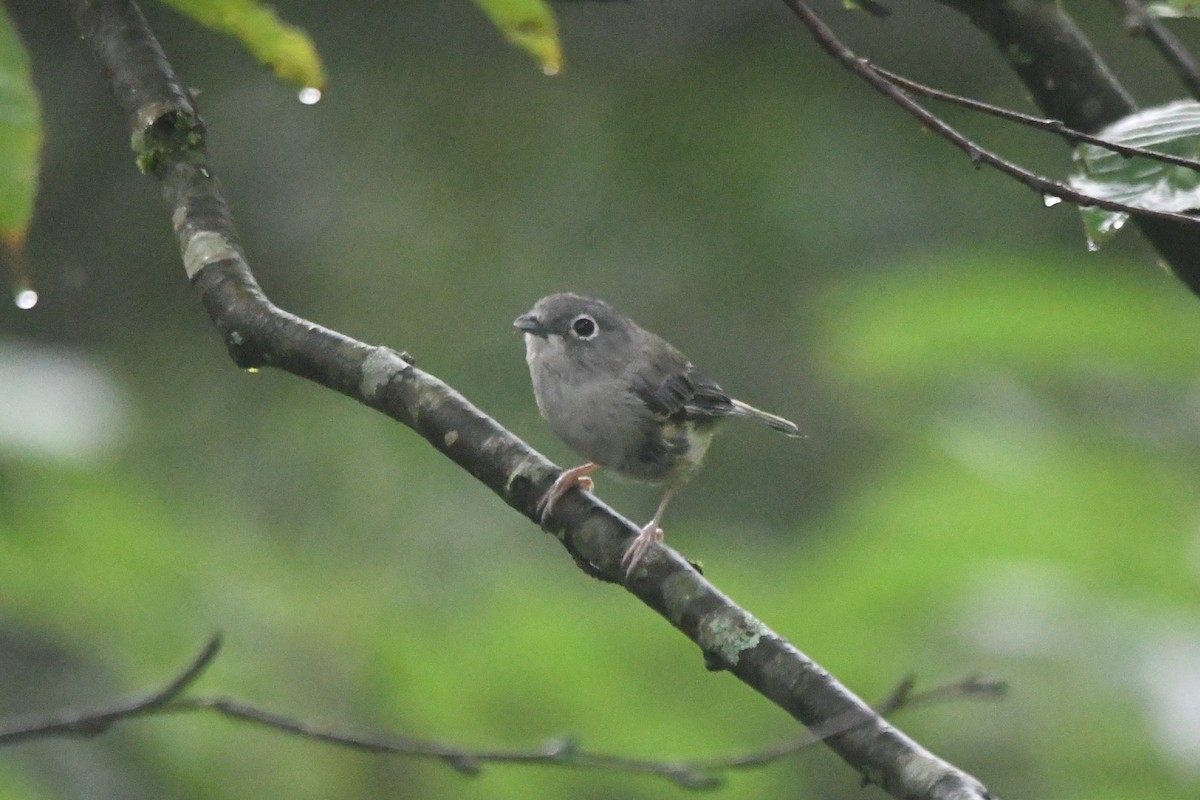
pixel 25 298
pixel 1091 245
pixel 1050 200
pixel 309 95
pixel 1114 223
pixel 252 370
pixel 551 67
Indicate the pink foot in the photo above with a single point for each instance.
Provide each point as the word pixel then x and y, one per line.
pixel 650 535
pixel 569 479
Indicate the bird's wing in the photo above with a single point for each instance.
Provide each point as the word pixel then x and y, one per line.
pixel 670 387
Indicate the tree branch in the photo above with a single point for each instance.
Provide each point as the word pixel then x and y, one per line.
pixel 90 722
pixel 1054 126
pixel 1139 21
pixel 562 752
pixel 978 154
pixel 1070 82
pixel 169 141
pixel 566 751
pixel 1053 58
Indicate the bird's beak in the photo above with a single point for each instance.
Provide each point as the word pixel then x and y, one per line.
pixel 529 323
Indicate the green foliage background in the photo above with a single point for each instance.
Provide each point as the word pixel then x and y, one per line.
pixel 999 475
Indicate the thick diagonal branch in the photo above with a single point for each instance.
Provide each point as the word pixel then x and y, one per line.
pixel 169 137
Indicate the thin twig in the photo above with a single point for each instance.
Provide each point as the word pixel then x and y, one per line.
pixel 977 154
pixel 565 752
pixel 561 752
pixel 1039 123
pixel 902 696
pixel 93 721
pixel 1139 21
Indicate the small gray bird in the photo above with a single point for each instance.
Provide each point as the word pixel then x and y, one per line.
pixel 624 399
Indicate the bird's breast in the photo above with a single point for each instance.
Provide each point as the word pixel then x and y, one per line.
pixel 602 420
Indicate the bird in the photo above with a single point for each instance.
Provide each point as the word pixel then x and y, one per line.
pixel 625 400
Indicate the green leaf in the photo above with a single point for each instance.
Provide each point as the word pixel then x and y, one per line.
pixel 530 25
pixel 20 137
pixel 1173 9
pixel 1173 129
pixel 286 49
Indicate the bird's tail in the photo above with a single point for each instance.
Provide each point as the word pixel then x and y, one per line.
pixel 786 427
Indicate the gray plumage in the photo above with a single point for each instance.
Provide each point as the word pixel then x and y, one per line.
pixel 623 398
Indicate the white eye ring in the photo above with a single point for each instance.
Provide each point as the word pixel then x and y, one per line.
pixel 584 327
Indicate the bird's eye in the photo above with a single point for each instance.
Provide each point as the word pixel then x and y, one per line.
pixel 584 327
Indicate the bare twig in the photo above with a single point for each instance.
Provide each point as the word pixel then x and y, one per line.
pixel 1068 80
pixel 559 752
pixel 565 752
pixel 903 696
pixel 1054 126
pixel 1139 21
pixel 90 722
pixel 977 154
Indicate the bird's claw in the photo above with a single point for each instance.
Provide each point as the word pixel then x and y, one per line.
pixel 651 534
pixel 564 483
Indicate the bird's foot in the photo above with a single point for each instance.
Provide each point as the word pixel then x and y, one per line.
pixel 569 479
pixel 650 535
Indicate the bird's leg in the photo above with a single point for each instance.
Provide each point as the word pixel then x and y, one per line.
pixel 651 534
pixel 576 476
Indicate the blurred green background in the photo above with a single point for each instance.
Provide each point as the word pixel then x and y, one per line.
pixel 1003 430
